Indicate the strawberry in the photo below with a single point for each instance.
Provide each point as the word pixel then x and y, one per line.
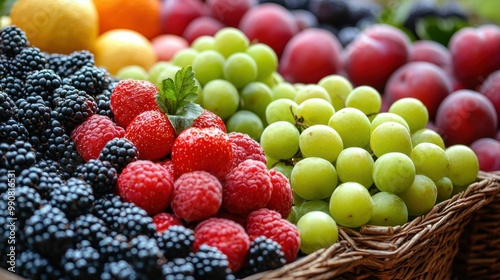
pixel 131 97
pixel 152 134
pixel 209 119
pixel 206 149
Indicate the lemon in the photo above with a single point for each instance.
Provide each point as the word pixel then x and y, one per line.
pixel 57 26
pixel 118 48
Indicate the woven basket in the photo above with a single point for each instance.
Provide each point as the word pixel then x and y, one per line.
pixel 423 248
pixel 478 255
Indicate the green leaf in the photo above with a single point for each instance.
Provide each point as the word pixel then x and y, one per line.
pixel 176 99
pixel 6 6
pixel 439 29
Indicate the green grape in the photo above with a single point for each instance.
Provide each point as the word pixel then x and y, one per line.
pixel 204 43
pixel 280 140
pixel 297 199
pixel 132 72
pixel 207 66
pixel 430 160
pixel 283 168
pixel 317 230
pixel 393 172
pixel 352 125
pixel 315 111
pixel 220 97
pixel 312 205
pixel 292 217
pixel 444 188
pixel 157 68
pixel 255 97
pixel 230 40
pixel 387 117
pixel 427 135
pixel 413 111
pixel 272 80
pixel 305 92
pixel 271 161
pixel 388 210
pixel 240 69
pixel 464 166
pixel 284 90
pixel 421 196
pixel 313 178
pixel 338 87
pixel 365 98
pixel 351 205
pixel 165 73
pixel 245 122
pixel 281 110
pixel 390 137
pixel 320 141
pixel 355 165
pixel 184 57
pixel 266 59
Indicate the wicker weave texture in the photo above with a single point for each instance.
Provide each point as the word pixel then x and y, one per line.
pixel 424 248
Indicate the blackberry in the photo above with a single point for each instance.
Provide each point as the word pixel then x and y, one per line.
pixel 265 254
pixel 26 201
pixel 32 265
pixel 69 159
pixel 55 62
pixel 12 130
pixel 103 104
pixel 91 79
pixel 74 198
pixel 54 138
pixel 12 40
pixel 17 156
pixel 180 268
pixel 145 255
pixel 100 175
pixel 119 270
pixel 50 166
pixel 43 83
pixel 75 61
pixel 74 109
pixel 8 227
pixel 210 263
pixel 4 66
pixel 8 108
pixel 33 113
pixel 82 262
pixel 48 231
pixel 40 180
pixel 113 247
pixel 119 152
pixel 89 227
pixel 124 217
pixel 13 87
pixel 176 242
pixel 28 60
pixel 4 180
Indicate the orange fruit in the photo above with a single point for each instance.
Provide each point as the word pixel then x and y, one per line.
pixel 142 16
pixel 119 48
pixel 57 26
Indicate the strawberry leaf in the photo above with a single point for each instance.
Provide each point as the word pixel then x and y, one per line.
pixel 176 99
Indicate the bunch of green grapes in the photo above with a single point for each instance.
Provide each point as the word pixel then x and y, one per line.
pixel 356 164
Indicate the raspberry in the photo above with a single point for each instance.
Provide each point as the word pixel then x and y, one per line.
pixel 269 223
pixel 165 220
pixel 147 185
pixel 206 149
pixel 209 119
pixel 130 98
pixel 247 187
pixel 282 196
pixel 240 219
pixel 152 134
pixel 244 147
pixel 227 236
pixel 169 165
pixel 92 135
pixel 197 195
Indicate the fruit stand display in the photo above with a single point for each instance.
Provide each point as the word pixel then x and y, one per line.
pixel 219 139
